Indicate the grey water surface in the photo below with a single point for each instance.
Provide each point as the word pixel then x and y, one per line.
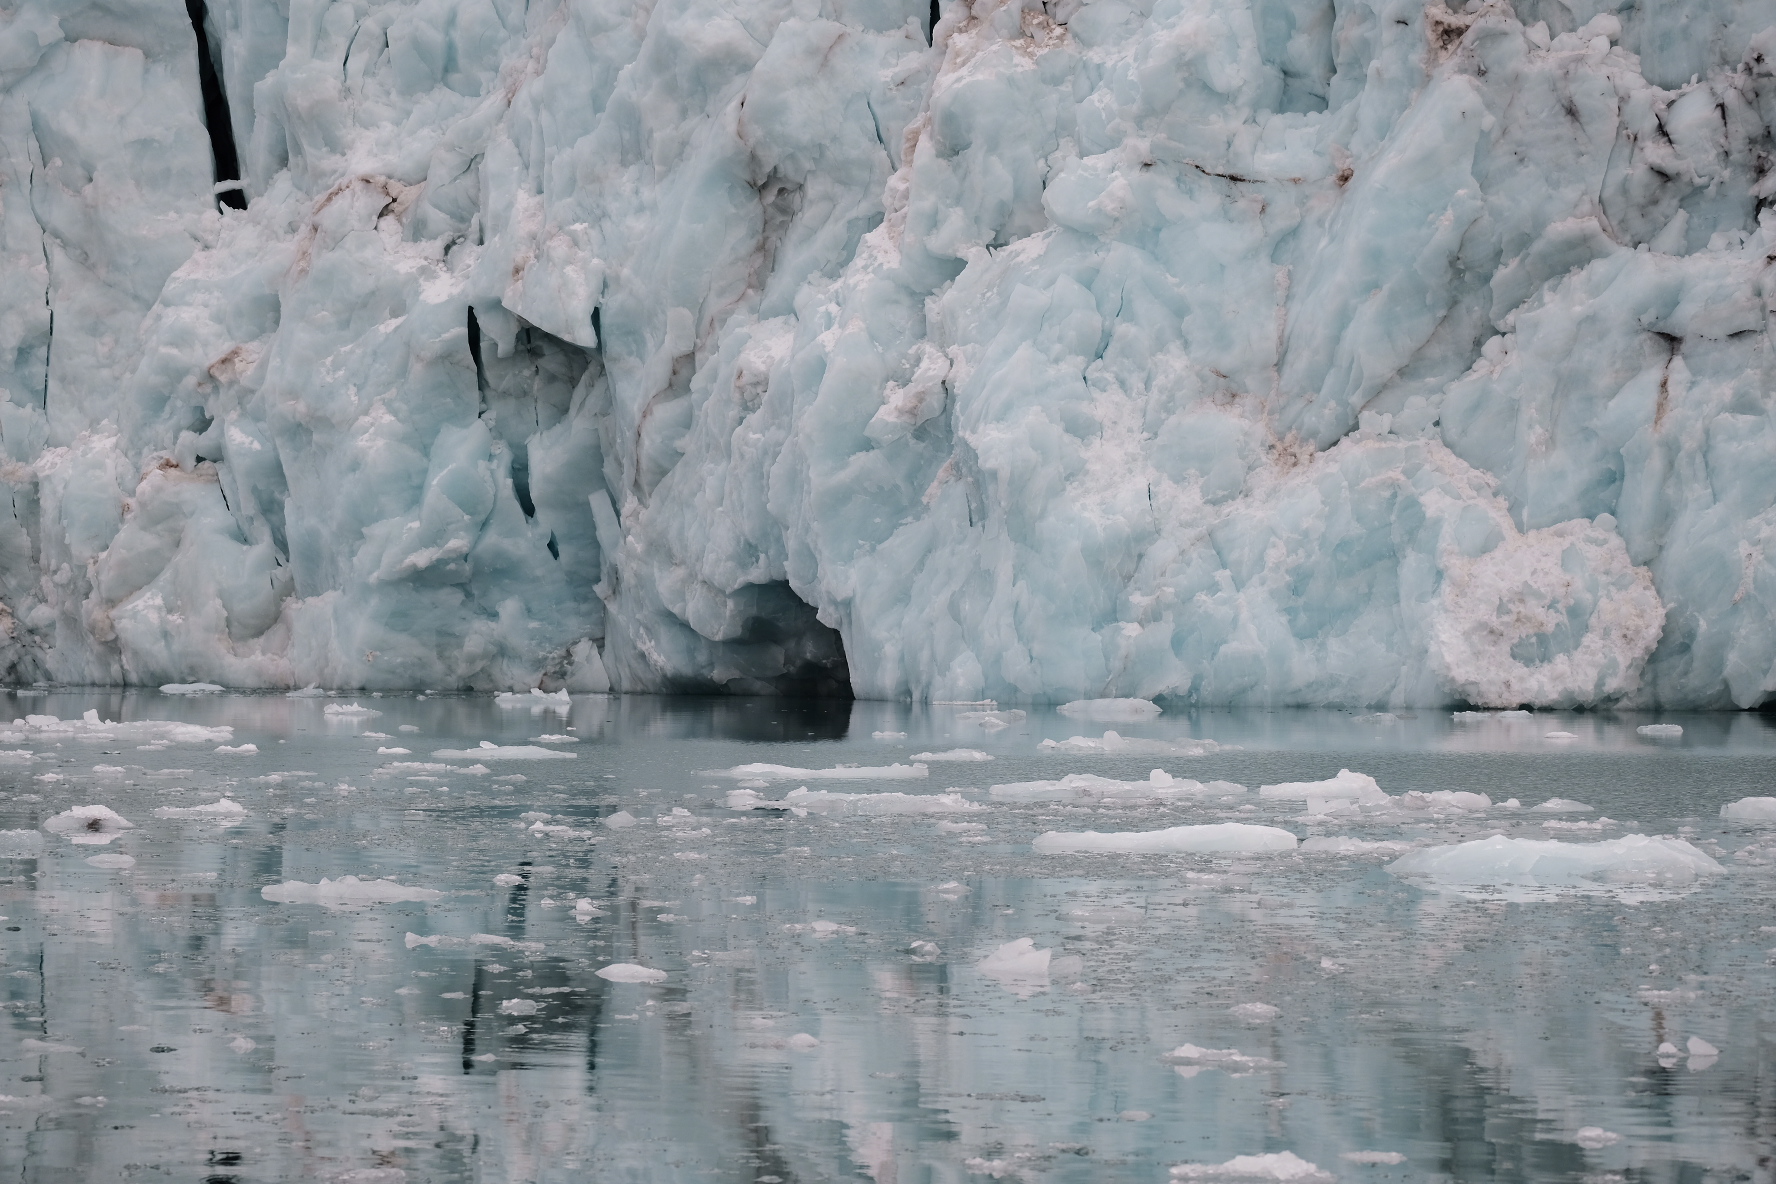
pixel 165 1021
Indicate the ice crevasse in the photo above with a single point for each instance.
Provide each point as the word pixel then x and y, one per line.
pixel 1246 352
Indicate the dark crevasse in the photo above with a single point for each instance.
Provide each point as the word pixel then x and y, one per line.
pixel 215 106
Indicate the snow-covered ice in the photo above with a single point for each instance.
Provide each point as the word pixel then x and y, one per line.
pixel 629 972
pixel 1220 837
pixel 88 825
pixel 346 892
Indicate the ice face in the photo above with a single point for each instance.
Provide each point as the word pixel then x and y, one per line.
pixel 1370 354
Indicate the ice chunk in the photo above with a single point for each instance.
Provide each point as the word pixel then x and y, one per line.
pixel 1544 866
pixel 520 1007
pixel 991 721
pixel 444 942
pixel 1595 1138
pixel 1698 1047
pixel 1089 787
pixel 346 892
pixel 91 727
pixel 822 801
pixel 116 862
pixel 1255 1013
pixel 629 972
pixel 1284 1166
pixel 1221 837
pixel 353 710
pixel 489 751
pixel 1373 1157
pixel 621 820
pixel 190 688
pixel 1660 731
pixel 888 735
pixel 1754 810
pixel 1191 1060
pixel 1345 845
pixel 1018 966
pixel 242 1044
pixel 220 810
pixel 89 824
pixel 802 1042
pixel 1344 793
pixel 536 700
pixel 507 880
pixel 238 749
pixel 1110 710
pixel 953 754
pixel 1563 806
pixel 1440 799
pixel 1115 744
pixel 311 691
pixel 765 772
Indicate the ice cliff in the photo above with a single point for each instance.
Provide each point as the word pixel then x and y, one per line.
pixel 1232 351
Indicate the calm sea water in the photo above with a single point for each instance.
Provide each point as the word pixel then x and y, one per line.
pixel 165 1021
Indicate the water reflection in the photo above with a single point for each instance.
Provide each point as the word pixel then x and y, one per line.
pixel 166 1021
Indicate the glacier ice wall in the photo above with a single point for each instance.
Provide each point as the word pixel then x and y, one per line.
pixel 1236 351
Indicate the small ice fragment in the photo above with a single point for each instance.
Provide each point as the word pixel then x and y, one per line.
pixel 190 688
pixel 1110 710
pixel 489 751
pixel 1559 736
pixel 349 710
pixel 41 1047
pixel 520 1007
pixel 238 749
pixel 924 951
pixel 629 972
pixel 243 1044
pixel 1255 1013
pixel 768 772
pixel 1756 810
pixel 953 754
pixel 1698 1047
pixel 583 907
pixel 112 861
pixel 1276 1165
pixel 486 1056
pixel 408 728
pixel 311 691
pixel 1388 1157
pixel 621 820
pixel 222 809
pixel 1546 864
pixel 394 752
pixel 1660 731
pixel 1231 1060
pixel 89 824
pixel 888 735
pixel 991 721
pixel 1564 806
pixel 1513 804
pixel 1346 845
pixel 454 995
pixel 346 892
pixel 536 700
pixel 507 879
pixel 802 1042
pixel 1220 837
pixel 554 738
pixel 1593 1138
pixel 1321 797
pixel 1134 1116
pixel 1018 966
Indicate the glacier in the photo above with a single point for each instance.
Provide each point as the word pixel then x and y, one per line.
pixel 1359 352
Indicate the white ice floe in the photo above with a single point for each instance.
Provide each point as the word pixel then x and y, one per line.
pixel 394 752
pixel 1190 1060
pixel 1373 1157
pixel 621 820
pixel 190 688
pixel 536 700
pixel 507 880
pixel 444 942
pixel 238 749
pixel 1660 731
pixel 1535 868
pixel 991 721
pixel 1214 838
pixel 489 751
pixel 766 772
pixel 802 1042
pixel 520 1007
pixel 1018 966
pixel 1255 1013
pixel 888 735
pixel 89 824
pixel 953 754
pixel 1563 806
pixel 1755 810
pixel 1595 1138
pixel 629 972
pixel 1346 789
pixel 346 892
pixel 1116 744
pixel 1283 1166
pixel 114 862
pixel 1110 710
pixel 220 810
pixel 1346 845
pixel 823 801
pixel 90 727
pixel 349 711
pixel 1089 787
pixel 554 738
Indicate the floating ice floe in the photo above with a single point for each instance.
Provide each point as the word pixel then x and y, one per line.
pixel 1755 810
pixel 1564 806
pixel 190 688
pixel 1255 1013
pixel 536 700
pixel 1528 869
pixel 823 801
pixel 621 820
pixel 346 892
pixel 311 691
pixel 1019 967
pixel 114 862
pixel 1089 787
pixel 1116 744
pixel 554 738
pixel 443 942
pixel 90 727
pixel 888 735
pixel 1346 845
pixel 349 711
pixel 1283 1166
pixel 1660 731
pixel 765 772
pixel 991 721
pixel 629 972
pixel 93 825
pixel 1595 1138
pixel 1213 838
pixel 1110 710
pixel 1322 797
pixel 238 749
pixel 953 754
pixel 1373 1157
pixel 490 751
pixel 221 810
pixel 1189 1060
pixel 394 752
pixel 507 880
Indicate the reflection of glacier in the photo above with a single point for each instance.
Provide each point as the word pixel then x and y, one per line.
pixel 1264 352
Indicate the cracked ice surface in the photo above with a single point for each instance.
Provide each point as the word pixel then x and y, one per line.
pixel 1259 352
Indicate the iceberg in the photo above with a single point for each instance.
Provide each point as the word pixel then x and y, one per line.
pixel 1531 868
pixel 1403 355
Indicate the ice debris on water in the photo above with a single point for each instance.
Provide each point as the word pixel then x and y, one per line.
pixel 507 880
pixel 1110 710
pixel 1660 731
pixel 802 1042
pixel 489 751
pixel 953 754
pixel 991 721
pixel 888 735
pixel 446 942
pixel 1373 1157
pixel 1115 744
pixel 1755 810
pixel 1018 966
pixel 89 824
pixel 629 972
pixel 1563 806
pixel 115 862
pixel 1595 1138
pixel 238 749
pixel 1159 786
pixel 191 688
pixel 220 810
pixel 90 727
pixel 353 710
pixel 768 772
pixel 1283 1166
pixel 1255 1013
pixel 1347 845
pixel 346 892
pixel 1356 788
pixel 1550 866
pixel 822 801
pixel 1210 838
pixel 1189 1060
pixel 536 700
